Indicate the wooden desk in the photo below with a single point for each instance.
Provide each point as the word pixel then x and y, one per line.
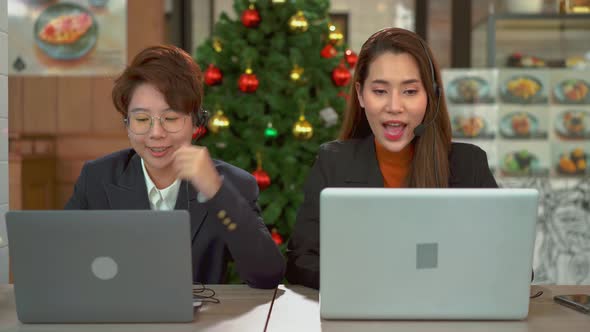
pixel 297 308
pixel 241 309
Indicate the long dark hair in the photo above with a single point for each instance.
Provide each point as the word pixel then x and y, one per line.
pixel 355 125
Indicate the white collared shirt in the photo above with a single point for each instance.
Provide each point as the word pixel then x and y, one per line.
pixel 160 199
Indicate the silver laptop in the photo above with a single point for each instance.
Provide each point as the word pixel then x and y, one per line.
pixel 101 266
pixel 426 253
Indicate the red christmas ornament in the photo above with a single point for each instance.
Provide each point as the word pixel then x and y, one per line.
pixel 350 58
pixel 328 52
pixel 199 132
pixel 250 17
pixel 276 237
pixel 340 75
pixel 213 75
pixel 260 174
pixel 248 82
pixel 262 178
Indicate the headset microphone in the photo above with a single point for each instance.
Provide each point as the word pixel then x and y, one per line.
pixel 421 128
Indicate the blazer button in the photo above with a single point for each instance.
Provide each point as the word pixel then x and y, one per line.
pixel 232 226
pixel 226 221
pixel 221 214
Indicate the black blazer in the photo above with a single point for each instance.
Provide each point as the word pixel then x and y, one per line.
pixel 353 163
pixel 116 181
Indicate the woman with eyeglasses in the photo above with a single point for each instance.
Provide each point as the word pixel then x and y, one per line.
pixel 159 97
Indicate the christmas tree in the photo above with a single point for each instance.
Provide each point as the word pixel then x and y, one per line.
pixel 276 81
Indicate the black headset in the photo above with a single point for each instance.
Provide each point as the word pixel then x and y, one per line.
pixel 421 128
pixel 200 117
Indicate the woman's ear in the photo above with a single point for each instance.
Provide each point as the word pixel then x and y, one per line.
pixel 359 95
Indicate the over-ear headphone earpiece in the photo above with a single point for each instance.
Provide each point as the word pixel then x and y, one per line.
pixel 200 117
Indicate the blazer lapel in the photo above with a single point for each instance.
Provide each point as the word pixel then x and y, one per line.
pixel 129 192
pixel 187 199
pixel 365 167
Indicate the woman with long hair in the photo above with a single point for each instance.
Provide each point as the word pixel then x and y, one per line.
pixel 396 133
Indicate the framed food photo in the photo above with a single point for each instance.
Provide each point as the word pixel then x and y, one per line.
pixel 523 158
pixel 470 86
pixel 570 123
pixel 523 122
pixel 473 122
pixel 570 159
pixel 570 87
pixel 523 86
pixel 62 38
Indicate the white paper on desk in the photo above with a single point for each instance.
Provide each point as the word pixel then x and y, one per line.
pixel 197 303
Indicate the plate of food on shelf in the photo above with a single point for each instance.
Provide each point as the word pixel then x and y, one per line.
pixel 519 125
pixel 65 31
pixel 524 60
pixel 573 124
pixel 522 89
pixel 574 162
pixel 520 163
pixel 469 126
pixel 572 91
pixel 469 90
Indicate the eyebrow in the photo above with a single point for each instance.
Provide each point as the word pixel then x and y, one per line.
pixel 140 109
pixel 410 81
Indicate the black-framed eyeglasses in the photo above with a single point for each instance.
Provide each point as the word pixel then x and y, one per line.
pixel 140 122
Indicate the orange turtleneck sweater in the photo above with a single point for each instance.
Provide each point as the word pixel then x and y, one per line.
pixel 394 166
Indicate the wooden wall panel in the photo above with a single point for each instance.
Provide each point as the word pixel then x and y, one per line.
pixel 15 104
pixel 15 182
pixel 105 118
pixel 39 105
pixel 68 170
pixel 145 25
pixel 74 105
pixel 88 148
pixel 39 183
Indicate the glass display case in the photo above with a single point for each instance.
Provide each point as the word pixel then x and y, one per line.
pixel 532 40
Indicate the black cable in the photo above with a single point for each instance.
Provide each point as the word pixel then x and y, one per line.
pixel 204 294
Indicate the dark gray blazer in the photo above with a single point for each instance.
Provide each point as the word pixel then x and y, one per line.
pixel 353 163
pixel 116 181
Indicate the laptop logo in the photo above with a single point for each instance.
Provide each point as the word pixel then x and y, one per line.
pixel 426 256
pixel 104 268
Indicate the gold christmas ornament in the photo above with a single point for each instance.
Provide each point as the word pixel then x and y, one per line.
pixel 217 46
pixel 334 35
pixel 302 129
pixel 298 22
pixel 218 122
pixel 296 73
